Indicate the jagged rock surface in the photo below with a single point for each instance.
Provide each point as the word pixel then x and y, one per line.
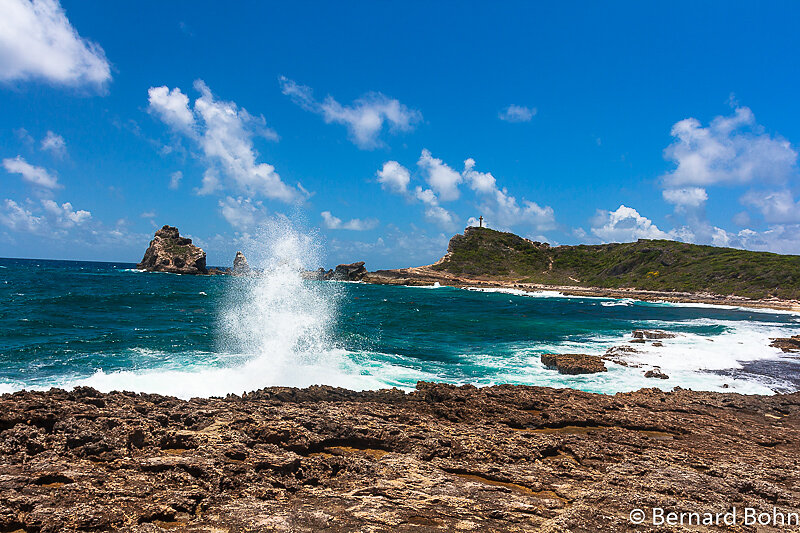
pixel 656 373
pixel 787 344
pixel 574 363
pixel 348 272
pixel 169 252
pixel 443 458
pixel 495 459
pixel 240 265
pixel 651 334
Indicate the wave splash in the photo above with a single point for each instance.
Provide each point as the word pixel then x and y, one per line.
pixel 275 328
pixel 276 318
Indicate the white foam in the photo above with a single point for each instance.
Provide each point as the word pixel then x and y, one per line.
pixel 728 307
pixel 435 285
pixel 617 303
pixel 610 302
pixel 275 328
pixel 337 370
pixel 519 292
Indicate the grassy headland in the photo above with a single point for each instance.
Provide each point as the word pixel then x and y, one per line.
pixel 656 265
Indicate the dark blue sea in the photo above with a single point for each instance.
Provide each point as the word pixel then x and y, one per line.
pixel 65 323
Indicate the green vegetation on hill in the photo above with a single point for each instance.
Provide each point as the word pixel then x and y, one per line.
pixel 658 265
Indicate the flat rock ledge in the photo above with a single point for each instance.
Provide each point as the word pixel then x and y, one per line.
pixel 442 458
pixel 574 363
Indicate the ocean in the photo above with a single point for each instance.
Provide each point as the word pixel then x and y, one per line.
pixel 109 326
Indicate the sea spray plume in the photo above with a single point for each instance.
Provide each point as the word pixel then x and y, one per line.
pixel 275 328
pixel 275 318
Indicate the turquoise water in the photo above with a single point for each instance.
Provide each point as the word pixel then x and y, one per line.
pixel 112 327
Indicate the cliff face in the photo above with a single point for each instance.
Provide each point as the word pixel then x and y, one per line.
pixel 169 252
pixel 443 458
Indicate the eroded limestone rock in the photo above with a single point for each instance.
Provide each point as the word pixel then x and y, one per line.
pixel 169 252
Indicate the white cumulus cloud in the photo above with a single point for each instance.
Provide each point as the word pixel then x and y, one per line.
pixel 434 212
pixel 175 179
pixel 364 119
pixel 64 215
pixel 19 218
pixel 54 144
pixel 242 213
pixel 47 218
pixel 394 177
pixel 441 178
pixel 502 210
pixel 517 113
pixel 355 224
pixel 499 208
pixel 776 206
pixel 172 107
pixel 30 173
pixel 210 184
pixel 730 150
pixel 625 225
pixel 224 132
pixel 37 41
pixel 686 197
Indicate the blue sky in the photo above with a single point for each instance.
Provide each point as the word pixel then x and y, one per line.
pixel 385 128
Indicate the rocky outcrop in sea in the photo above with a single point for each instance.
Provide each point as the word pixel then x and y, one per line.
pixel 787 344
pixel 344 272
pixel 169 252
pixel 240 265
pixel 350 272
pixel 574 363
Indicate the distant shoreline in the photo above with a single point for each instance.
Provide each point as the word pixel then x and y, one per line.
pixel 425 275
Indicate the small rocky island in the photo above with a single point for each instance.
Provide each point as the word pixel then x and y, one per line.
pixel 169 252
pixel 240 265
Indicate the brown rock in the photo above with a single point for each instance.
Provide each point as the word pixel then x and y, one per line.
pixel 574 363
pixel 349 272
pixel 169 252
pixel 619 354
pixel 653 334
pixel 656 373
pixel 447 458
pixel 787 344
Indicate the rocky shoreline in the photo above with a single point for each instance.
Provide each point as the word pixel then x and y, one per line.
pixel 425 275
pixel 169 252
pixel 442 458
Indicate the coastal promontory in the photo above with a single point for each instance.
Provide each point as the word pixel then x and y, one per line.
pixel 169 252
pixel 647 269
